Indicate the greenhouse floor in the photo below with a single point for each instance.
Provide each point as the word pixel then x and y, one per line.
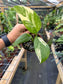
pixel 45 73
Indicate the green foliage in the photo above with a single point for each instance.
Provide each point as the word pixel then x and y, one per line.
pixel 23 38
pixel 11 48
pixel 33 23
pixel 0 59
pixel 60 40
pixel 49 20
pixel 60 55
pixel 8 19
pixel 11 18
pixel 42 49
pixel 0 55
pixel 54 18
pixel 59 15
pixel 29 18
pixel 4 22
pixel 59 28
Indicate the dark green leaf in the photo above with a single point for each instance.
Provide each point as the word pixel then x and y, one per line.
pixel 58 26
pixel 60 39
pixel 23 38
pixel 59 30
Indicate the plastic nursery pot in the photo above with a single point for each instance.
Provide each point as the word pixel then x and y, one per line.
pixel 29 46
pixel 12 54
pixel 4 49
pixel 59 47
pixel 5 54
pixel 16 52
pixel 1 73
pixel 9 57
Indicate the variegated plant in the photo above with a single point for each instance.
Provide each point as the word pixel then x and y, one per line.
pixel 33 24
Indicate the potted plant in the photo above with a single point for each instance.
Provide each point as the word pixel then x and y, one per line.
pixel 9 53
pixel 8 20
pixel 3 23
pixel 49 20
pixel 17 49
pixel 57 47
pixel 59 28
pixel 58 43
pixel 4 50
pixel 33 24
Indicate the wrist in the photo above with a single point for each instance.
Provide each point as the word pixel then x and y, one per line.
pixel 6 40
pixel 2 44
pixel 13 35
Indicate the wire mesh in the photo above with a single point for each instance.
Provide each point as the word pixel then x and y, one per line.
pixel 6 62
pixel 13 64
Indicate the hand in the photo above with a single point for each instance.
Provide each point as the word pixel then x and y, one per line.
pixel 18 30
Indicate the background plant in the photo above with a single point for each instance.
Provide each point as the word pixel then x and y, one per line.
pixel 8 20
pixel 3 20
pixel 49 20
pixel 54 18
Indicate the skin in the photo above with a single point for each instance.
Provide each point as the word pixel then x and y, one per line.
pixel 18 30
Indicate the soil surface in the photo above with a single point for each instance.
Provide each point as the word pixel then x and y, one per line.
pixel 45 73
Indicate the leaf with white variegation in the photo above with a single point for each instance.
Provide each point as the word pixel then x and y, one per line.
pixel 42 49
pixel 29 18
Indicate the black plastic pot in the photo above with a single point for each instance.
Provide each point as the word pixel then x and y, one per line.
pixel 59 47
pixel 28 46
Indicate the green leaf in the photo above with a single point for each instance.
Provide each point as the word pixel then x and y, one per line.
pixel 58 26
pixel 11 48
pixel 42 49
pixel 29 18
pixel 59 30
pixel 60 39
pixel 23 38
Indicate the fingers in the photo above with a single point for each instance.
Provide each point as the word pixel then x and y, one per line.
pixel 22 27
pixel 19 27
pixel 25 32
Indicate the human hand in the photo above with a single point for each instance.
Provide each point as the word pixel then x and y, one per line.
pixel 18 30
